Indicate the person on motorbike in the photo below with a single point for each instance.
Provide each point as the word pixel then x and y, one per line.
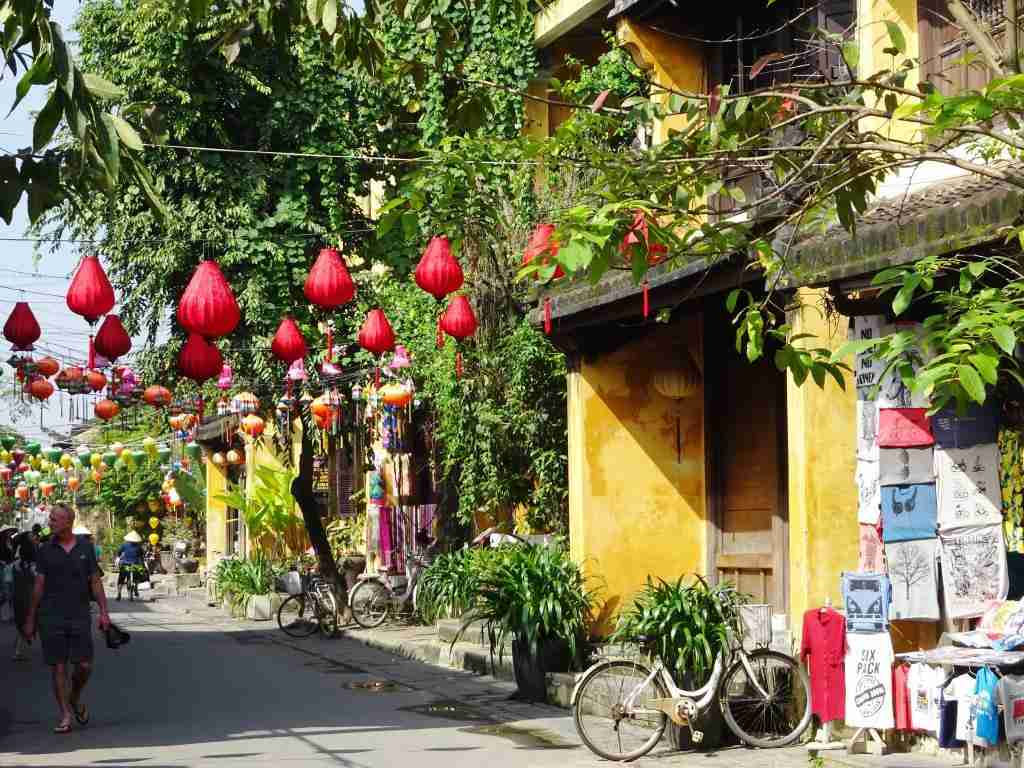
pixel 129 556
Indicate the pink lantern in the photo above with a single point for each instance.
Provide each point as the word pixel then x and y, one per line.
pixel 297 371
pixel 226 379
pixel 400 358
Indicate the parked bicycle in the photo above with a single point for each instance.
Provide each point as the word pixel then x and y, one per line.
pixel 621 707
pixel 310 609
pixel 376 597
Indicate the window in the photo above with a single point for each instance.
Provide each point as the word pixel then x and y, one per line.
pixel 943 44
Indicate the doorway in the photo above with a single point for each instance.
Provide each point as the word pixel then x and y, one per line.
pixel 748 529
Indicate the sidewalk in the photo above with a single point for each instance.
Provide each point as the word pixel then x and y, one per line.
pixel 488 700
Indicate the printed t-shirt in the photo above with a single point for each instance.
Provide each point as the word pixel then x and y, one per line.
pixel 903 428
pixel 1011 695
pixel 908 512
pixel 872 556
pixel 867 597
pixel 986 718
pixel 869 681
pixel 913 570
pixel 869 493
pixel 979 424
pixel 962 689
pixel 901 697
pixel 968 486
pixel 923 682
pixel 973 569
pixel 823 645
pixel 867 430
pixel 905 466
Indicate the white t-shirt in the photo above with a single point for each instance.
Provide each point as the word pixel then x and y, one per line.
pixel 869 660
pixel 962 690
pixel 967 486
pixel 867 430
pixel 973 569
pixel 923 683
pixel 869 493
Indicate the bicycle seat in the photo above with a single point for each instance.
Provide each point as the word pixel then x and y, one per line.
pixel 643 639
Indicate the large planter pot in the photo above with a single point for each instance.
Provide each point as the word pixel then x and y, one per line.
pixel 531 671
pixel 189 565
pixel 262 607
pixel 711 723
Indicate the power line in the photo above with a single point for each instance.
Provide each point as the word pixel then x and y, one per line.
pixel 323 156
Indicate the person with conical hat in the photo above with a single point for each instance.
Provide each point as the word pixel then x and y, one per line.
pixel 129 558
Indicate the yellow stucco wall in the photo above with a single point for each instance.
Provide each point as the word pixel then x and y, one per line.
pixel 821 426
pixel 873 38
pixel 634 509
pixel 216 513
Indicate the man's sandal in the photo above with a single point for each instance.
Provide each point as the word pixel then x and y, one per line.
pixel 62 727
pixel 81 714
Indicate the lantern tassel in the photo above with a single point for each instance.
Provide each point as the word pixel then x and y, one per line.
pixel 376 377
pixel 92 353
pixel 647 301
pixel 330 343
pixel 440 333
pixel 458 364
pixel 547 315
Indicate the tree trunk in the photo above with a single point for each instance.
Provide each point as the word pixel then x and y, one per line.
pixel 1012 36
pixel 302 490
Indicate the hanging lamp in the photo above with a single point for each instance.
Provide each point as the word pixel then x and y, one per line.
pixel 208 307
pixel 459 322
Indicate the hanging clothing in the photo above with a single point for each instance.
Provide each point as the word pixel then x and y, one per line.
pixel 901 697
pixel 867 368
pixel 894 393
pixel 867 597
pixel 1011 696
pixel 1011 481
pixel 903 428
pixel 387 543
pixel 962 689
pixel 905 466
pixel 979 424
pixel 867 430
pixel 986 718
pixel 872 555
pixel 908 512
pixel 924 681
pixel 869 701
pixel 823 646
pixel 914 571
pixel 948 712
pixel 869 493
pixel 973 569
pixel 968 486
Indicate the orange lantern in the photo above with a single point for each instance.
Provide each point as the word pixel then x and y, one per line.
pixel 95 380
pixel 47 489
pixel 107 409
pixel 40 389
pixel 324 411
pixel 157 396
pixel 396 394
pixel 253 425
pixel 74 484
pixel 22 492
pixel 47 366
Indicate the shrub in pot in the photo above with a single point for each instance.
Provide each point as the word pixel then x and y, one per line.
pixel 537 597
pixel 689 625
pixel 449 586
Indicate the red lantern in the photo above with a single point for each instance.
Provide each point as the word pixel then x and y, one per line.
pixel 21 328
pixel 639 231
pixel 107 409
pixel 288 344
pixel 199 360
pixel 90 293
pixel 157 396
pixel 459 321
pixel 438 273
pixel 40 389
pixel 112 340
pixel 208 306
pixel 541 243
pixel 95 380
pixel 329 284
pixel 376 335
pixel 47 366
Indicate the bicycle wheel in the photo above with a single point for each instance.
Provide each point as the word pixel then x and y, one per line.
pixel 295 617
pixel 326 615
pixel 770 709
pixel 370 602
pixel 612 710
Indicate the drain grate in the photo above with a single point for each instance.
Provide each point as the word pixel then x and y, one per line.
pixel 449 710
pixel 377 686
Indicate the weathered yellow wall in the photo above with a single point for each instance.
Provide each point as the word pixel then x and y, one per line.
pixel 634 509
pixel 823 534
pixel 673 63
pixel 873 38
pixel 216 513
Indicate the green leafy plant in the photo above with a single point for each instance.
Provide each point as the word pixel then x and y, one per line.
pixel 242 578
pixel 689 624
pixel 269 508
pixel 347 534
pixel 533 594
pixel 450 585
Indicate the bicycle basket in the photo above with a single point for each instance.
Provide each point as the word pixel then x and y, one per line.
pixel 756 622
pixel 292 582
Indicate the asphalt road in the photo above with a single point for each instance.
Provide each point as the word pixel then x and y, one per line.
pixel 188 693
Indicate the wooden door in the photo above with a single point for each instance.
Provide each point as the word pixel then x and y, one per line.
pixel 748 483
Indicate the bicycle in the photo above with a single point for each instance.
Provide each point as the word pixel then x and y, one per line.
pixel 312 609
pixel 764 697
pixel 374 597
pixel 130 574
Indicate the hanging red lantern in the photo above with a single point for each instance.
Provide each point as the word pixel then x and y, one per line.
pixel 95 380
pixel 47 366
pixel 288 344
pixel 157 396
pixel 639 231
pixel 21 328
pixel 208 306
pixel 459 321
pixel 107 409
pixel 326 410
pixel 40 389
pixel 543 246
pixel 199 360
pixel 329 284
pixel 112 340
pixel 438 272
pixel 90 293
pixel 376 335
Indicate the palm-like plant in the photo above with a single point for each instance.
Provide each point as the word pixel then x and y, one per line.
pixel 449 586
pixel 269 508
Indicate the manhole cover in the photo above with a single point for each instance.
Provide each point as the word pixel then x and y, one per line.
pixel 449 710
pixel 376 686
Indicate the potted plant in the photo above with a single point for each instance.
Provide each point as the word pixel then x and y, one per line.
pixel 449 586
pixel 347 539
pixel 538 598
pixel 689 626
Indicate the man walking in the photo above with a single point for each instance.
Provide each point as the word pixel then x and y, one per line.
pixel 66 575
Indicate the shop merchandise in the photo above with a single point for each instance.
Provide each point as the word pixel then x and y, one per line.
pixel 948 715
pixel 973 569
pixel 961 688
pixel 968 486
pixel 867 368
pixel 923 682
pixel 869 702
pixel 1011 696
pixel 867 597
pixel 908 512
pixel 901 697
pixel 905 466
pixel 867 430
pixel 823 646
pixel 1011 480
pixel 978 425
pixel 913 570
pixel 903 428
pixel 869 493
pixel 986 717
pixel 893 392
pixel 872 555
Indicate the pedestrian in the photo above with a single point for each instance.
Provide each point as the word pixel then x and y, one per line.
pixel 24 582
pixel 66 575
pixel 129 558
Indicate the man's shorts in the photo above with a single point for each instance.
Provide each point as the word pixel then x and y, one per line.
pixel 66 640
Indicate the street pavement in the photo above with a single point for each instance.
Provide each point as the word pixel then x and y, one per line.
pixel 194 688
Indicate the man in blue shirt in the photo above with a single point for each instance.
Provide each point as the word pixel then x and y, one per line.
pixel 67 575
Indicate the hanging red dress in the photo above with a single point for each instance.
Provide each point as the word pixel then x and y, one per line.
pixel 824 646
